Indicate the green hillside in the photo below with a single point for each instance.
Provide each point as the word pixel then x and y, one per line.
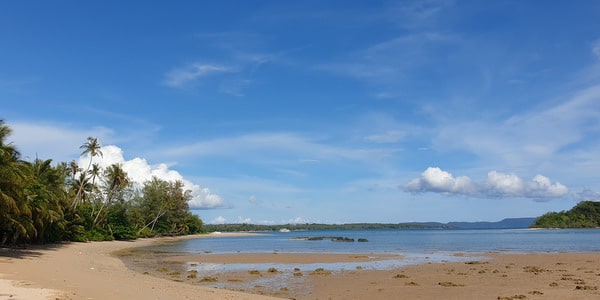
pixel 585 214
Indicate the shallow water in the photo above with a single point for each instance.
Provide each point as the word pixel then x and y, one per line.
pixel 412 246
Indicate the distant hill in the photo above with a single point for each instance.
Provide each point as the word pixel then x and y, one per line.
pixel 511 223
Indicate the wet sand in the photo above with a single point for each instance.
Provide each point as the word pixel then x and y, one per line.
pixel 92 271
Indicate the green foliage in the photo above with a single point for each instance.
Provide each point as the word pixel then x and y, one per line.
pixel 41 202
pixel 585 214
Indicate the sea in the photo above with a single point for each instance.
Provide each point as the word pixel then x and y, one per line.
pixel 415 246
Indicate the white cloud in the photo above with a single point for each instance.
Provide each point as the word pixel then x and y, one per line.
pixel 140 171
pixel 219 220
pixel 52 140
pixel 439 181
pixel 253 200
pixel 297 220
pixel 182 76
pixel 497 184
pixel 244 220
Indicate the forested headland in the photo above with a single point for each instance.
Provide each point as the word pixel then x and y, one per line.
pixel 585 214
pixel 44 202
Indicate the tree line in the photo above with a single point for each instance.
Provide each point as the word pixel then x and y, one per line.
pixel 42 202
pixel 586 214
pixel 235 227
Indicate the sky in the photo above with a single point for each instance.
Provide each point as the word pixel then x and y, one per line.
pixel 275 112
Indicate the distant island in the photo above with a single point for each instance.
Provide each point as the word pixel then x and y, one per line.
pixel 510 223
pixel 585 214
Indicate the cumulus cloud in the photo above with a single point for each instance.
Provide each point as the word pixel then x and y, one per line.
pixel 139 171
pixel 244 220
pixel 497 185
pixel 182 76
pixel 439 181
pixel 219 220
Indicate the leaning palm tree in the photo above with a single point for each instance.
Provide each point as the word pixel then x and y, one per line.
pixel 91 147
pixel 116 181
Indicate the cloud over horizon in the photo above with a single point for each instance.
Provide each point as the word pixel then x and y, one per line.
pixel 139 171
pixel 496 185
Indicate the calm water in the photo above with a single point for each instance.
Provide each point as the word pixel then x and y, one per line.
pixel 400 241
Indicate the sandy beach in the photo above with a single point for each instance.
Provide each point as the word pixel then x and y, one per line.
pixel 92 271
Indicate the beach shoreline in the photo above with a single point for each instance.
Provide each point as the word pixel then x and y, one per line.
pixel 93 271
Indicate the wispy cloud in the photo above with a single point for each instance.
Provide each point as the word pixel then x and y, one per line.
pixel 417 13
pixel 397 60
pixel 596 48
pixel 53 140
pixel 529 138
pixel 390 136
pixel 290 145
pixel 180 77
pixel 587 194
pixel 497 185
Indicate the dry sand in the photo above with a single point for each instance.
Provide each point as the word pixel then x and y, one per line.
pixel 89 271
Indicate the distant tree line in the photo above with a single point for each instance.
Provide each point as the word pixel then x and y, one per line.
pixel 585 214
pixel 42 202
pixel 316 226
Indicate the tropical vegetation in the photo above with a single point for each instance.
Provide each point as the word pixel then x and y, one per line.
pixel 585 214
pixel 46 202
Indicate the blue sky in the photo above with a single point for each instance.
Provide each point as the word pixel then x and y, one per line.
pixel 318 111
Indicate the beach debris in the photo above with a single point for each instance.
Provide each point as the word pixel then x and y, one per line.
pixel 476 262
pixel 536 293
pixel 450 284
pixel 515 297
pixel 209 279
pixel 411 283
pixel 533 269
pixel 192 274
pixel 586 288
pixel 400 276
pixel 321 238
pixel 321 271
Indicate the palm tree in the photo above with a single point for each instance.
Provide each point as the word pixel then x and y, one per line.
pixel 115 180
pixel 91 147
pixel 15 215
pixel 46 197
pixel 95 173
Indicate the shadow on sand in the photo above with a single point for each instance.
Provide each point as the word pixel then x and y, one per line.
pixel 29 251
